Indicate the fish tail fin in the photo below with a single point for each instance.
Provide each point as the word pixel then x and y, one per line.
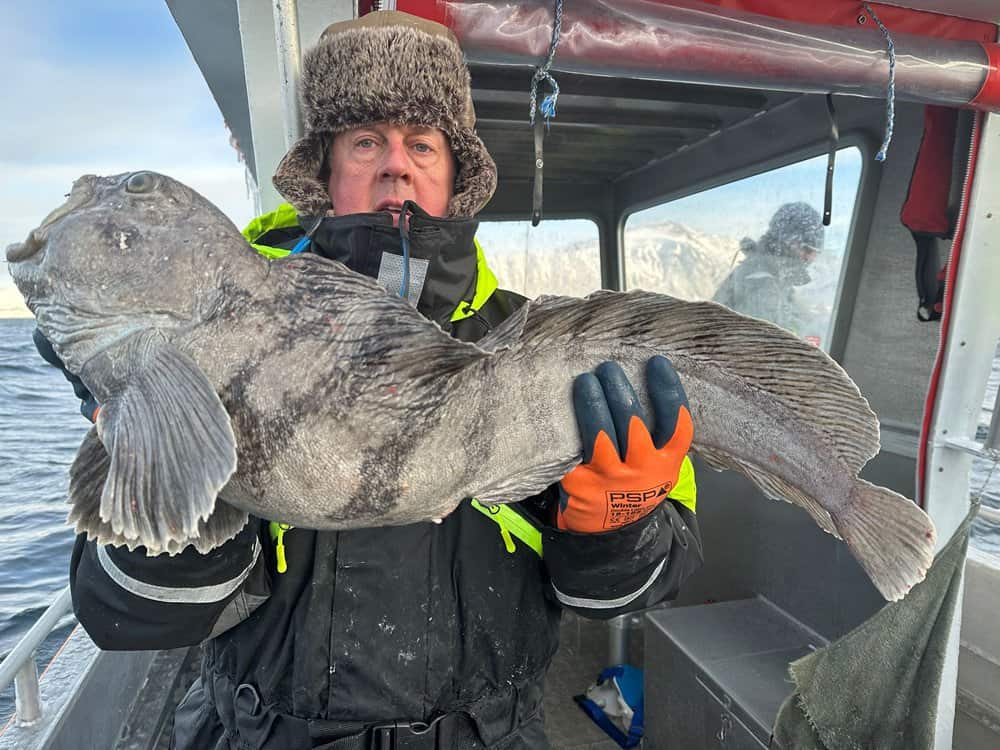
pixel 890 536
pixel 87 478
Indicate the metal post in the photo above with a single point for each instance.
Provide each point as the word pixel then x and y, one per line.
pixel 618 640
pixel 286 38
pixel 19 665
pixel 27 701
pixel 992 442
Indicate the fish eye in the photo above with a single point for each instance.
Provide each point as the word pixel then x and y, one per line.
pixel 140 182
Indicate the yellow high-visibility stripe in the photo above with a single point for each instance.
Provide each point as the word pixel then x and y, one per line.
pixel 512 524
pixel 486 284
pixel 277 532
pixel 686 490
pixel 280 218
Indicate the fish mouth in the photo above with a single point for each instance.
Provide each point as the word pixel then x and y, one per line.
pixel 79 195
pixel 24 250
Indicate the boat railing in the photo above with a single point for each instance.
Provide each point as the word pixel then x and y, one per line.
pixel 989 448
pixel 19 665
pixel 992 442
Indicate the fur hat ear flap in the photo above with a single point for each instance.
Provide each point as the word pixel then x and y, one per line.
pixel 297 177
pixel 477 175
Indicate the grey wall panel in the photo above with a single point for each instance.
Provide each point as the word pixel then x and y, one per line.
pixel 758 546
pixel 793 130
pixel 889 352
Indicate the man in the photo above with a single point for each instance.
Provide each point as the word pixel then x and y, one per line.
pixel 434 635
pixel 764 283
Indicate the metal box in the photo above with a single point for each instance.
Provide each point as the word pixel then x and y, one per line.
pixel 716 674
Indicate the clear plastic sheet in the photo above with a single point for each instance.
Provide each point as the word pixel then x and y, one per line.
pixel 693 42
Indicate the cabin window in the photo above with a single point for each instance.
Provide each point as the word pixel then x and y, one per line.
pixel 735 244
pixel 559 256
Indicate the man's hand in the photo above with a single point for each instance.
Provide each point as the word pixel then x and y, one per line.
pixel 626 470
pixel 88 404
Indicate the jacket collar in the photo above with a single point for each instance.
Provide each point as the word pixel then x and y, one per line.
pixel 439 261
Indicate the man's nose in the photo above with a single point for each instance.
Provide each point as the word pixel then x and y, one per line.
pixel 396 161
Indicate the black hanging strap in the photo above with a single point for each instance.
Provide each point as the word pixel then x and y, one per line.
pixel 830 161
pixel 536 194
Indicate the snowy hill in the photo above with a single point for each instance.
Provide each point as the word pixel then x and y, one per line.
pixel 678 260
pixel 666 257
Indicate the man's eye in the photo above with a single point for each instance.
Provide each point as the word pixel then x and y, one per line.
pixel 423 148
pixel 366 143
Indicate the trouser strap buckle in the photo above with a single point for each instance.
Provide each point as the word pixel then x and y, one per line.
pixel 405 735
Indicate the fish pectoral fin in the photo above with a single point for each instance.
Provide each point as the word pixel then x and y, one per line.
pixel 86 485
pixel 170 444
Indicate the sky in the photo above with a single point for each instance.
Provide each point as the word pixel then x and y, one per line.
pixel 103 87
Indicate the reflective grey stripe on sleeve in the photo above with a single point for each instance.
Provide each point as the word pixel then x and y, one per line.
pixel 192 595
pixel 621 601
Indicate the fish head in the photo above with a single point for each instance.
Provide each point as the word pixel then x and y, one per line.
pixel 123 253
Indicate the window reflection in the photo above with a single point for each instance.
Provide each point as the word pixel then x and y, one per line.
pixel 559 256
pixel 756 245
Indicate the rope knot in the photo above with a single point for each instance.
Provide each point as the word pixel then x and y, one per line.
pixel 548 105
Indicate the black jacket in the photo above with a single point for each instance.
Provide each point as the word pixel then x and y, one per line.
pixel 378 624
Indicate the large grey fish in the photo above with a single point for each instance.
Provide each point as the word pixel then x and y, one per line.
pixel 303 392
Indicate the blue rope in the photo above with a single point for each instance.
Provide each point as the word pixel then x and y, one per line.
pixel 890 108
pixel 404 288
pixel 548 106
pixel 303 243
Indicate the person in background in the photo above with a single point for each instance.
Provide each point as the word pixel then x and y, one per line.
pixel 433 635
pixel 764 284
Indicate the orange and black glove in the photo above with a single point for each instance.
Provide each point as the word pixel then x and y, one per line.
pixel 627 471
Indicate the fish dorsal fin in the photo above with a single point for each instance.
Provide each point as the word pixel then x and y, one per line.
pixel 507 334
pixel 379 327
pixel 766 357
pixel 796 373
pixel 86 484
pixel 169 440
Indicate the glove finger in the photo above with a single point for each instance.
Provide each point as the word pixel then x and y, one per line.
pixel 622 401
pixel 44 347
pixel 667 395
pixel 89 406
pixel 82 392
pixel 592 413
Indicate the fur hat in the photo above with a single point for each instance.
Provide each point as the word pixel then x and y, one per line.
pixel 387 66
pixel 792 225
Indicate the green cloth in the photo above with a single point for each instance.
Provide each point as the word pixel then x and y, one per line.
pixel 877 687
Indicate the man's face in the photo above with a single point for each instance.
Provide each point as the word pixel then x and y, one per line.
pixel 377 167
pixel 807 254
